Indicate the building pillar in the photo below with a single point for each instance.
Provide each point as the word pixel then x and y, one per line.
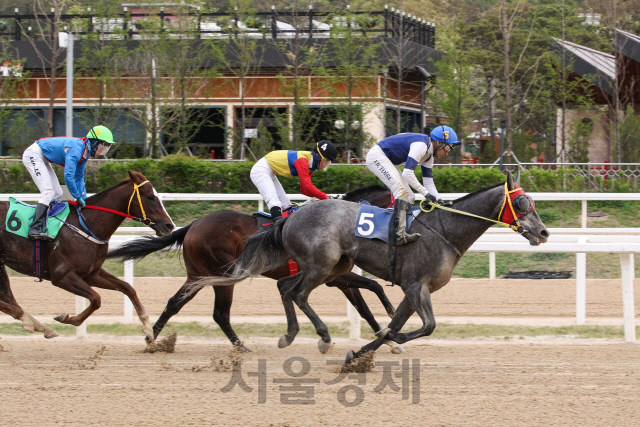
pixel 374 124
pixel 229 122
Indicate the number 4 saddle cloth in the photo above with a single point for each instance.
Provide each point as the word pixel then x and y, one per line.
pixel 374 222
pixel 20 217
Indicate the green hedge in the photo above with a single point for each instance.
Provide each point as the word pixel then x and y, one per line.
pixel 183 174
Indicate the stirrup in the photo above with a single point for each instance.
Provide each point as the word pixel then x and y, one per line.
pixel 407 238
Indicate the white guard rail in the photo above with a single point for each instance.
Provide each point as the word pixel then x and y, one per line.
pixel 496 240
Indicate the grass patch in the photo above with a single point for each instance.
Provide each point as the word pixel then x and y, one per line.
pixel 340 330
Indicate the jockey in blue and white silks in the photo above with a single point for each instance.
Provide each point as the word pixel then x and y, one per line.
pixel 67 151
pixel 412 149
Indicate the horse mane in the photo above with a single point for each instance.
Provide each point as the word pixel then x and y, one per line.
pixel 359 193
pixel 108 190
pixel 475 193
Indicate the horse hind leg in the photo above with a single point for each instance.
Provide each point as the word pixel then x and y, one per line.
pixel 285 285
pixel 9 305
pixel 222 312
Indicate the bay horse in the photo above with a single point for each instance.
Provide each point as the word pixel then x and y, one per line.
pixel 321 239
pixel 212 243
pixel 74 262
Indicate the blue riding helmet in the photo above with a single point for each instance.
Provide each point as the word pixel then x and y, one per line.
pixel 444 135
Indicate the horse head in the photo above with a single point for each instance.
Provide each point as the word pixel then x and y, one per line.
pixel 146 204
pixel 533 228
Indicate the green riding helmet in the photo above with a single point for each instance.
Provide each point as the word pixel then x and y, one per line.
pixel 101 140
pixel 102 133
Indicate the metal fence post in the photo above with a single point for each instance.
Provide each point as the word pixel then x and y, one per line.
pixel 627 270
pixel 353 315
pixel 128 277
pixel 81 331
pixel 581 286
pixel 492 265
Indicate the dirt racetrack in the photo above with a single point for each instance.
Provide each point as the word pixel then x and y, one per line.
pixel 260 297
pixel 461 383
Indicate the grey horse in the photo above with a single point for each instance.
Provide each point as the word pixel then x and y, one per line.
pixel 320 238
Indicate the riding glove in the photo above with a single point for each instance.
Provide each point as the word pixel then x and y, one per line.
pixel 81 202
pixel 430 197
pixel 441 202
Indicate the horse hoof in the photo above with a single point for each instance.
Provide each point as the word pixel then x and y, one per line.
pixel 383 332
pixel 241 348
pixel 395 348
pixel 149 338
pixel 61 317
pixel 324 346
pixel 350 356
pixel 283 342
pixel 50 333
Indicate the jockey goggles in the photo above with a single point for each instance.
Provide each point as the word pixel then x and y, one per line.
pixel 324 161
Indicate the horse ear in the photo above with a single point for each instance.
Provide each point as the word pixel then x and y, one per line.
pixel 132 176
pixel 510 181
pixel 518 176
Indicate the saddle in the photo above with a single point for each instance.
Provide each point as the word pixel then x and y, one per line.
pixel 374 222
pixel 265 220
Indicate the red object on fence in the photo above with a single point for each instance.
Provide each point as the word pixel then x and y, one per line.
pixel 213 153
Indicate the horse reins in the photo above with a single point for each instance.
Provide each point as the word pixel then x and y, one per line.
pixel 136 192
pixel 92 237
pixel 507 201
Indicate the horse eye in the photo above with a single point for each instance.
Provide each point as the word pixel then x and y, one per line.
pixel 151 197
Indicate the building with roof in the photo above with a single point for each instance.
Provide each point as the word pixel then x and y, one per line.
pixel 607 74
pixel 257 99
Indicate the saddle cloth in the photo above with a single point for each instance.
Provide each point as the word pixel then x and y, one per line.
pixel 20 217
pixel 374 222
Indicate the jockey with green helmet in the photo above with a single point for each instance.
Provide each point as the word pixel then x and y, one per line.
pixel 412 149
pixel 71 153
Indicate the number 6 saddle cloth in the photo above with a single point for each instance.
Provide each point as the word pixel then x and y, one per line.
pixel 20 217
pixel 374 222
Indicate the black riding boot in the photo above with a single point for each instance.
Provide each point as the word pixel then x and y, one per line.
pixel 276 213
pixel 402 237
pixel 38 229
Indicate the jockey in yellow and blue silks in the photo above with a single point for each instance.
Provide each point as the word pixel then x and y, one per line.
pixel 289 164
pixel 67 151
pixel 412 149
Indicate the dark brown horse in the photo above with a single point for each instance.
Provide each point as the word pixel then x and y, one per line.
pixel 212 243
pixel 74 263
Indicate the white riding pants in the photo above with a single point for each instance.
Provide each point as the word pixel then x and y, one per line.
pixel 381 166
pixel 268 185
pixel 42 173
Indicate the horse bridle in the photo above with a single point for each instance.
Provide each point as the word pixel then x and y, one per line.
pixel 136 192
pixel 515 226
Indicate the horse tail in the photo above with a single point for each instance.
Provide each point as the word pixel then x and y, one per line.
pixel 263 251
pixel 140 248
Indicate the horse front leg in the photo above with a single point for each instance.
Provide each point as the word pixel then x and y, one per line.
pixel 420 298
pixel 355 298
pixel 222 314
pixel 72 282
pixel 174 305
pixel 103 280
pixel 403 313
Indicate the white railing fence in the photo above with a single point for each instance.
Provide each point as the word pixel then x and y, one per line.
pixel 625 241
